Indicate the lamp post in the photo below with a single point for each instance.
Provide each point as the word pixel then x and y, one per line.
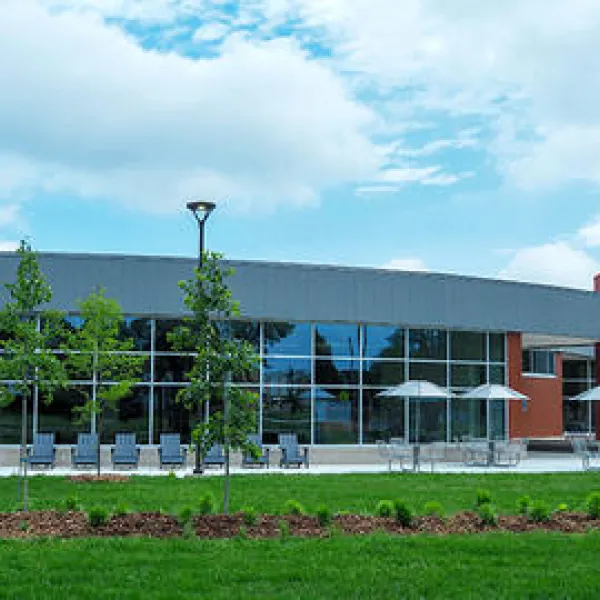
pixel 201 211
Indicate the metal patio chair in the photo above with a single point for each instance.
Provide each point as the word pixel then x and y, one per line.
pixel 214 456
pixel 170 451
pixel 125 452
pixel 86 450
pixel 249 460
pixel 290 452
pixel 42 452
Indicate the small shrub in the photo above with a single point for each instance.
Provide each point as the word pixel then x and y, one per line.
pixel 208 504
pixel 562 507
pixel 172 475
pixel 185 515
pixel 403 512
pixel 293 507
pixel 592 505
pixel 324 516
pixel 524 505
pixel 250 516
pixel 539 511
pixel 98 516
pixel 284 529
pixel 121 509
pixel 24 525
pixel 384 508
pixel 433 509
pixel 242 533
pixel 72 503
pixel 483 497
pixel 487 514
pixel 189 532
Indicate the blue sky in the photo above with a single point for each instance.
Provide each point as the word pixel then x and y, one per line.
pixel 422 134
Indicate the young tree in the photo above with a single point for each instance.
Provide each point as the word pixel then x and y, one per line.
pixel 95 351
pixel 218 358
pixel 25 334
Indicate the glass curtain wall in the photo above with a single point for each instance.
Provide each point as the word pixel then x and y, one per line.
pixel 579 375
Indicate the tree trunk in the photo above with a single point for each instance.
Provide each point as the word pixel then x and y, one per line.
pixel 99 432
pixel 226 408
pixel 24 491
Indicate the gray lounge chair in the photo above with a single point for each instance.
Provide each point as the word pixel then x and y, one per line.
pixel 43 451
pixel 290 452
pixel 214 456
pixel 170 451
pixel 125 452
pixel 248 460
pixel 86 451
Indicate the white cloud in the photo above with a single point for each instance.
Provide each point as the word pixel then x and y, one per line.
pixel 424 175
pixel 405 264
pixel 590 233
pixel 555 263
pixel 211 32
pixel 8 246
pixel 9 214
pixel 84 110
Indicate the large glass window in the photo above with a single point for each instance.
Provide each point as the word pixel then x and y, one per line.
pixel 427 343
pixel 497 347
pixel 10 421
pixel 286 410
pixel 172 367
pixel 59 415
pixel 383 372
pixel 163 328
pixel 287 339
pixel 336 372
pixel 468 419
pixel 467 345
pixel 463 375
pixel 539 362
pixel 171 416
pixel 383 342
pixel 575 369
pixel 139 330
pixel 427 420
pixel 130 416
pixel 497 374
pixel 434 372
pixel 383 418
pixel 286 371
pixel 336 416
pixel 336 340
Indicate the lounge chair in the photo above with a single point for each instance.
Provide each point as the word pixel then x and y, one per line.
pixel 43 451
pixel 290 452
pixel 125 451
pixel 248 460
pixel 170 451
pixel 214 456
pixel 86 451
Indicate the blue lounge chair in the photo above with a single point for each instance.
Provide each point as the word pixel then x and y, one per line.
pixel 214 456
pixel 170 451
pixel 43 451
pixel 86 451
pixel 248 460
pixel 125 452
pixel 290 452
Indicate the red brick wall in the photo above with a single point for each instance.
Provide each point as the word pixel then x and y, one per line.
pixel 544 414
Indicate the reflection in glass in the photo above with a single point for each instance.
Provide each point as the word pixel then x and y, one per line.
pixel 573 388
pixel 336 416
pixel 10 422
pixel 172 367
pixel 137 329
pixel 286 410
pixel 383 372
pixel 468 419
pixel 467 375
pixel 380 341
pixel 427 343
pixel 163 328
pixel 58 415
pixel 287 339
pixel 497 347
pixel 336 372
pixel 131 416
pixel 170 416
pixel 575 369
pixel 427 420
pixel 434 372
pixel 467 345
pixel 497 374
pixel 383 418
pixel 336 340
pixel 242 330
pixel 286 371
pixel 577 416
pixel 497 419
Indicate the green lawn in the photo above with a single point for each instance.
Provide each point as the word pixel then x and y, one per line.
pixel 485 566
pixel 268 493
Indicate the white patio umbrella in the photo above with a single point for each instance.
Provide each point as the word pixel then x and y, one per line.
pixel 588 396
pixel 493 391
pixel 421 391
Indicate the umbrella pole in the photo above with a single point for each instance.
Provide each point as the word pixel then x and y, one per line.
pixel 589 417
pixel 488 419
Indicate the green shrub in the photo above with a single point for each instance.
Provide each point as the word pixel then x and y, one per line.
pixel 284 529
pixel 72 503
pixel 24 525
pixel 433 509
pixel 324 515
pixel 384 508
pixel 185 515
pixel 562 507
pixel 189 531
pixel 121 509
pixel 487 514
pixel 172 475
pixel 250 516
pixel 539 511
pixel 592 505
pixel 403 512
pixel 242 533
pixel 524 505
pixel 98 516
pixel 208 504
pixel 293 507
pixel 483 497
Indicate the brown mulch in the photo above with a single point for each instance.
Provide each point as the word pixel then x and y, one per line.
pixel 154 524
pixel 93 478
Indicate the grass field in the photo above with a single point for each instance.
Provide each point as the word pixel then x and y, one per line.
pixel 268 493
pixel 486 566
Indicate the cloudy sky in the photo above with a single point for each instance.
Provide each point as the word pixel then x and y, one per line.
pixel 457 136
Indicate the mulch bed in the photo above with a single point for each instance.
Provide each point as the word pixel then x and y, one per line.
pixel 93 478
pixel 154 524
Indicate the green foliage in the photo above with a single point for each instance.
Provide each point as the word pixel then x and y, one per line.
pixel 487 514
pixel 98 516
pixel 24 525
pixel 72 503
pixel 185 515
pixel 562 507
pixel 208 504
pixel 293 507
pixel 539 511
pixel 403 512
pixel 284 529
pixel 384 508
pixel 189 532
pixel 324 515
pixel 482 497
pixel 122 509
pixel 433 509
pixel 172 475
pixel 524 505
pixel 242 532
pixel 592 505
pixel 250 516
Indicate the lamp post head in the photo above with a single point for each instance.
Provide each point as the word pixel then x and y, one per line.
pixel 201 209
